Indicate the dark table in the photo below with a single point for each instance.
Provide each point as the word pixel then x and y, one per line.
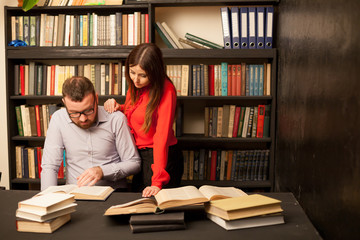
pixel 88 222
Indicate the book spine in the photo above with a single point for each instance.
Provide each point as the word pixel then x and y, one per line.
pixel 202 41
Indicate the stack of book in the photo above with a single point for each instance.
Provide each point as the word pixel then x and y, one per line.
pixel 245 212
pixel 45 213
pixel 157 222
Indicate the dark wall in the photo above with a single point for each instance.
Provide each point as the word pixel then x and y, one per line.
pixel 318 113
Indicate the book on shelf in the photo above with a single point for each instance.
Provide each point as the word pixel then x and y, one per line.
pixel 243 207
pixel 165 36
pixel 49 226
pixel 193 44
pixel 81 193
pixel 175 197
pixel 46 204
pixel 203 41
pixel 172 35
pixel 258 221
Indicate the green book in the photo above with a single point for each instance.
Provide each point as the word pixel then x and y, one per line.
pixel 19 121
pixel 202 41
pixel 159 29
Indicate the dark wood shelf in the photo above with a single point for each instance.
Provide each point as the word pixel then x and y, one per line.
pixel 225 183
pixel 175 3
pixel 201 138
pixel 33 180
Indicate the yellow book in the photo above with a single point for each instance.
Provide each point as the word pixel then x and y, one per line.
pixel 243 207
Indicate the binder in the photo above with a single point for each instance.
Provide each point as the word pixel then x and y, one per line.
pixel 260 31
pixel 252 27
pixel 235 27
pixel 244 27
pixel 225 21
pixel 269 27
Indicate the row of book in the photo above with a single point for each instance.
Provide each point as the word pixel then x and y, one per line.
pixel 58 3
pixel 39 79
pixel 231 121
pixel 109 78
pixel 44 213
pixel 28 162
pixel 66 30
pixel 247 27
pixel 33 120
pixel 222 165
pixel 221 79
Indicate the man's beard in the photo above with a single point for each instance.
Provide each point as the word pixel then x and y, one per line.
pixel 88 123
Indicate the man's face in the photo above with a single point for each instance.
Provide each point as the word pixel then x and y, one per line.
pixel 83 113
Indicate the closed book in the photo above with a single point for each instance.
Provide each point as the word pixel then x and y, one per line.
pixel 47 203
pixel 35 216
pixel 152 219
pixel 202 41
pixel 243 207
pixel 19 120
pixel 23 225
pixel 226 27
pixel 259 221
pixel 156 227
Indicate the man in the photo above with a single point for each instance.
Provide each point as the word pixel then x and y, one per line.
pixel 99 147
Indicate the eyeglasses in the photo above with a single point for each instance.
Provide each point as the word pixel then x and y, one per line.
pixel 87 112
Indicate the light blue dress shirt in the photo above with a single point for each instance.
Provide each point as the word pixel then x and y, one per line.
pixel 108 144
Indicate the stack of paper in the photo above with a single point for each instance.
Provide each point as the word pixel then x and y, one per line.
pixel 45 213
pixel 245 212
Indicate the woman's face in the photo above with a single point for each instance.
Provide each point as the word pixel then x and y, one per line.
pixel 138 76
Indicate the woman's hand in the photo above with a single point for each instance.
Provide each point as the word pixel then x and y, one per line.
pixel 150 191
pixel 111 105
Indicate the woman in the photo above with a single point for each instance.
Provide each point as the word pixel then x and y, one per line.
pixel 150 109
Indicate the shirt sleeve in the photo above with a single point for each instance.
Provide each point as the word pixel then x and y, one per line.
pixel 130 161
pixel 165 119
pixel 52 153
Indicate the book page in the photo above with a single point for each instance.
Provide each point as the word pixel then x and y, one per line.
pixel 62 188
pixel 213 192
pixel 181 193
pixel 90 190
pixel 136 202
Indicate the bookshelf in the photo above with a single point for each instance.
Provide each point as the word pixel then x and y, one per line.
pixel 95 54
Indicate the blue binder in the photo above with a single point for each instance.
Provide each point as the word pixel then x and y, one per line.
pixel 252 27
pixel 235 28
pixel 269 27
pixel 225 21
pixel 244 27
pixel 260 32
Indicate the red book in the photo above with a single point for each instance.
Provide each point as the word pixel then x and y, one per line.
pixel 229 80
pixel 39 156
pixel 211 81
pixel 52 81
pixel 260 121
pixel 146 27
pixel 37 118
pixel 238 80
pixel 61 171
pixel 213 165
pixel 236 121
pixel 22 80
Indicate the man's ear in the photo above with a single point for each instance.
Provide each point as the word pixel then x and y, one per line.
pixel 63 100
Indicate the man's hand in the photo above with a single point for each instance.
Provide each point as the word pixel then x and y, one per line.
pixel 90 177
pixel 111 105
pixel 150 191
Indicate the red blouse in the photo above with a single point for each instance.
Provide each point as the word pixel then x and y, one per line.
pixel 160 135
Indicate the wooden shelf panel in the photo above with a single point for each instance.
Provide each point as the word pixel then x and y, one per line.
pixel 181 3
pixel 33 180
pixel 225 183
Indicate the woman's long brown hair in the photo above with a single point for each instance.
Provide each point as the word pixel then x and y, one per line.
pixel 149 57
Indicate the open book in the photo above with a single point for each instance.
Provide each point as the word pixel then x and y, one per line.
pixel 175 197
pixel 81 193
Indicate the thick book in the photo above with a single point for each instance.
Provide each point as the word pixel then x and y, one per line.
pixel 243 207
pixel 81 193
pixel 175 197
pixel 46 203
pixel 203 41
pixel 154 219
pixel 23 225
pixel 34 215
pixel 258 221
pixel 156 227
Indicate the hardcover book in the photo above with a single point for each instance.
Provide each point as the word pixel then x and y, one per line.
pixel 81 193
pixel 175 197
pixel 243 207
pixel 23 225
